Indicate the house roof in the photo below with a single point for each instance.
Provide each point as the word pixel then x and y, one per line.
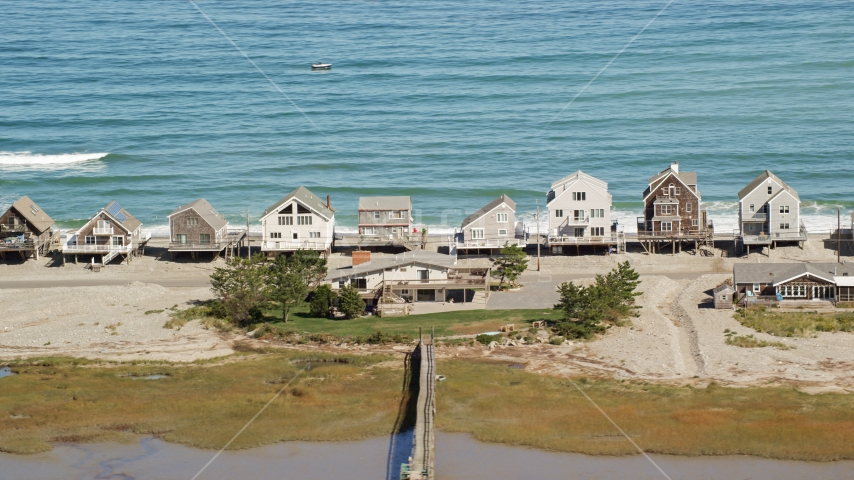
pixel 777 273
pixel 379 264
pixel 687 178
pixel 579 175
pixel 723 287
pixel 206 211
pixel 385 203
pixel 488 208
pixel 33 214
pixel 761 179
pixel 307 198
pixel 128 221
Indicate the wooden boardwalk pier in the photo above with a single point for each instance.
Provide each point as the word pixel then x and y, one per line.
pixel 420 465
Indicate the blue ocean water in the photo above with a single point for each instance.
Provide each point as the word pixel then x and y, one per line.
pixel 450 101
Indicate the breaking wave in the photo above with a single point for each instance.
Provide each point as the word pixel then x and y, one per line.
pixel 29 159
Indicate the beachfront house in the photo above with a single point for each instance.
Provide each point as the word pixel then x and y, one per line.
pixel 672 211
pixel 299 221
pixel 110 233
pixel 385 221
pixel 579 210
pixel 768 212
pixel 792 282
pixel 490 228
pixel 25 229
pixel 197 227
pixel 410 278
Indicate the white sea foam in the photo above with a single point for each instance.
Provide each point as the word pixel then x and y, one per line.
pixel 22 160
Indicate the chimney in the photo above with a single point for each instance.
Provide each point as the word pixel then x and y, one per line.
pixel 674 167
pixel 361 256
pixel 327 202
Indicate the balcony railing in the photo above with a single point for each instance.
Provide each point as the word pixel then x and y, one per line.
pixel 463 280
pixel 16 245
pixel 13 228
pixel 96 248
pixel 102 231
pixel 570 240
pixel 291 245
pixel 492 243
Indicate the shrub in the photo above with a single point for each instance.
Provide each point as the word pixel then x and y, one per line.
pixel 322 299
pixel 556 340
pixel 350 302
pixel 487 339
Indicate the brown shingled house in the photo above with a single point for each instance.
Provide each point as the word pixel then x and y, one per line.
pixel 25 229
pixel 110 233
pixel 198 227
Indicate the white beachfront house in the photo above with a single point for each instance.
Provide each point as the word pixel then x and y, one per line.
pixel 769 211
pixel 299 221
pixel 579 209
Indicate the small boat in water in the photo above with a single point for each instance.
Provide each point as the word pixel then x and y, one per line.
pixel 321 66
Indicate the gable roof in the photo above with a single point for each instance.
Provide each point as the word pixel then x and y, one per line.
pixel 307 198
pixel 777 273
pixel 206 211
pixel 385 203
pixel 687 178
pixel 579 175
pixel 761 179
pixel 33 214
pixel 389 261
pixel 119 214
pixel 488 208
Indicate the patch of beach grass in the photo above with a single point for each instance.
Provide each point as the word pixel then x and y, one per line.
pixel 794 324
pixel 200 404
pixel 153 312
pixel 496 403
pixel 749 341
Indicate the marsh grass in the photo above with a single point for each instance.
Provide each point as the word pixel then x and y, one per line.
pixel 749 341
pixel 65 400
pixel 794 324
pixel 495 403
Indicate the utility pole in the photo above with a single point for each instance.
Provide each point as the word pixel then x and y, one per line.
pixel 538 234
pixel 248 241
pixel 838 235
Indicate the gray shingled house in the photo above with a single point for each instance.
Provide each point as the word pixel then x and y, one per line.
pixel 490 228
pixel 789 281
pixel 768 213
pixel 386 221
pixel 25 229
pixel 110 233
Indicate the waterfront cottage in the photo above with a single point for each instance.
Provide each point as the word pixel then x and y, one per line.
pixel 672 211
pixel 386 221
pixel 490 228
pixel 25 229
pixel 299 221
pixel 768 213
pixel 198 227
pixel 579 210
pixel 776 282
pixel 112 232
pixel 412 277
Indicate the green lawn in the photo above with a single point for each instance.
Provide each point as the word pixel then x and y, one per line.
pixel 450 323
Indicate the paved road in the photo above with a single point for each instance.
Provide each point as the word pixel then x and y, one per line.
pixel 98 282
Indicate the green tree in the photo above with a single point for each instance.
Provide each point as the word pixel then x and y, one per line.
pixel 285 285
pixel 350 302
pixel 511 262
pixel 322 300
pixel 239 286
pixel 309 265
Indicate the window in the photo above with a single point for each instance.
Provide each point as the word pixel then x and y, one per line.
pixel 369 230
pixel 558 213
pixel 360 283
pixel 477 233
pixel 579 196
pixel 770 190
pixel 756 288
pixel 90 240
pixel 597 213
pixel 295 235
pixel 303 219
pixel 501 217
pixel 502 232
pixel 376 215
pixel 597 231
pixel 404 292
pixel 578 215
pixel 793 290
pixel 396 214
pixel 784 209
pixel 752 208
pixel 578 232
pixel 286 220
pixel 667 209
pixel 695 222
pixel 192 221
pixel 678 190
pixel 688 207
pixel 275 234
pixel 666 226
pixel 423 274
pixel 784 226
pixel 103 224
pixel 204 238
pixel 313 234
pixel 117 241
pixel 341 283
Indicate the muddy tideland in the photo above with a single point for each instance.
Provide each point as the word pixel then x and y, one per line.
pixel 458 457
